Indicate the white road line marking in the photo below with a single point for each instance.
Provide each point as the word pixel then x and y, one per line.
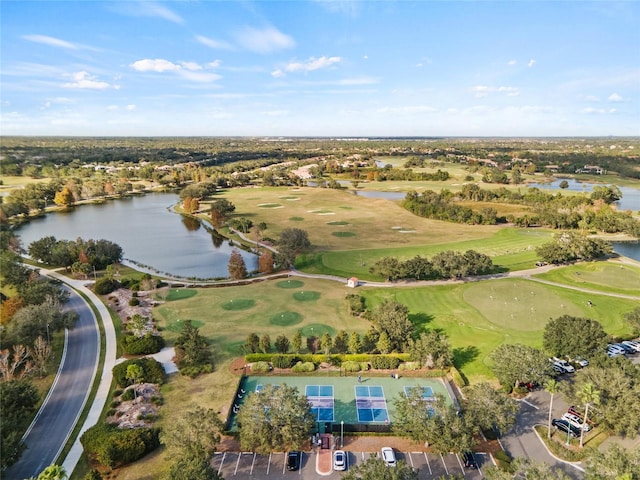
pixel 237 463
pixel 221 462
pixel 253 462
pixel 269 464
pixel 445 465
pixel 460 463
pixel 530 404
pixel 428 464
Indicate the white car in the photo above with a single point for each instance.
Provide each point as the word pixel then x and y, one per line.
pixel 339 460
pixel 576 421
pixel 615 350
pixel 562 365
pixel 388 456
pixel 632 344
pixel 583 362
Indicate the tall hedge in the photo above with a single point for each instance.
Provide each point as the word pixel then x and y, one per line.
pixel 152 371
pixel 144 345
pixel 114 447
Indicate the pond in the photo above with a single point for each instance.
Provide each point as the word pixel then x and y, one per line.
pixel 148 231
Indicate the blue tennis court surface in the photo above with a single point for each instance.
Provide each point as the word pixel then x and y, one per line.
pixel 371 405
pixel 322 401
pixel 427 392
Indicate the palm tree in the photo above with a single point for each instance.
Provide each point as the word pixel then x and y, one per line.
pixel 552 387
pixel 589 396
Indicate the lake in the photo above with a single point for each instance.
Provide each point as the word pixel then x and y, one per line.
pixel 148 231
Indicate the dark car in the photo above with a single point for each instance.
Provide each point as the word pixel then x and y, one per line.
pixel 293 460
pixel 566 427
pixel 468 460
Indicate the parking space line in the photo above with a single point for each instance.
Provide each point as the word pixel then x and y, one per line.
pixel 253 462
pixel 300 465
pixel 235 472
pixel 222 462
pixel 410 458
pixel 460 463
pixel 269 464
pixel 445 465
pixel 428 464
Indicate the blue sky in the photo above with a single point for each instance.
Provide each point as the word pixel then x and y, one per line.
pixel 320 68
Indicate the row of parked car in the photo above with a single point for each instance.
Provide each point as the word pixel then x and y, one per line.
pixel 571 423
pixel 623 348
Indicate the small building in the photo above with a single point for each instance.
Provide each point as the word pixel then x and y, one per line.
pixel 352 282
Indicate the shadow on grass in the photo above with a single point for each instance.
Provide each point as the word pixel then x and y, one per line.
pixel 420 321
pixel 464 355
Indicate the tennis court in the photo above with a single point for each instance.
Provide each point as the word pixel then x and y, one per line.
pixel 364 400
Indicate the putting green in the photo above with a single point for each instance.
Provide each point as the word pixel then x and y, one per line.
pixel 177 325
pixel 180 294
pixel 239 304
pixel 519 305
pixel 296 219
pixel 290 284
pixel 338 223
pixel 286 319
pixel 270 205
pixel 306 296
pixel 343 234
pixel 317 329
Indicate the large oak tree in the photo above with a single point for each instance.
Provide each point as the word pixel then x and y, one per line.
pixel 275 419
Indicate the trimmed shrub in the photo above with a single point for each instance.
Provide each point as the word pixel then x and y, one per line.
pixel 384 362
pixel 260 367
pixel 409 366
pixel 351 366
pixel 193 371
pixel 114 447
pixel 457 377
pixel 105 286
pixel 283 361
pixel 134 302
pixel 303 367
pixel 258 357
pixel 117 392
pixel 144 345
pixel 152 371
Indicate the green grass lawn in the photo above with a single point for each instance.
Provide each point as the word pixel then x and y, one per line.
pixel 509 248
pixel 603 276
pixel 313 306
pixel 476 316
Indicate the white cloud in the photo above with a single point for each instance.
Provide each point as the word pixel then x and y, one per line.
pixel 83 80
pixel 211 43
pixel 146 9
pixel 614 97
pixel 155 65
pixel 214 64
pixel 312 64
pixel 512 62
pixel 531 63
pixel 51 41
pixel 130 107
pixel 190 70
pixel 277 73
pixel 264 41
pixel 484 90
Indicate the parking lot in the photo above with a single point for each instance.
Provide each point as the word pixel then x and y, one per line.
pixel 249 465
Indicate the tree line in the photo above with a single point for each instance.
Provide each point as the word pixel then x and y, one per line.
pixel 443 265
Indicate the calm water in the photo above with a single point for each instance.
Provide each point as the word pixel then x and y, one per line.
pixel 148 232
pixel 630 201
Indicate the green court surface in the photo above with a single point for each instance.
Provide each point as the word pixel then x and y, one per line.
pixel 336 399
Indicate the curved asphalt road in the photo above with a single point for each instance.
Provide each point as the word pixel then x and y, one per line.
pixel 57 417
